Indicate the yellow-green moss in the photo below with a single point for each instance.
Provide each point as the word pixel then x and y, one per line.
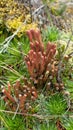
pixel 13 14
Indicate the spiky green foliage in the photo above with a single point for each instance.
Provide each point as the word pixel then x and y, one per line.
pixel 68 123
pixel 11 123
pixel 57 105
pixel 12 60
pixel 50 34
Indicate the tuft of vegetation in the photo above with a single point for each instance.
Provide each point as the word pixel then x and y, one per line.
pixel 51 34
pixel 57 105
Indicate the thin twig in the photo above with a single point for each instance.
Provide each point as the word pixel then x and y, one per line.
pixel 15 112
pixel 61 59
pixel 36 115
pixel 30 9
pixel 70 54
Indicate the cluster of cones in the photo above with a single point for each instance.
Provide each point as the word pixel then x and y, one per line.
pixel 42 67
pixel 19 95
